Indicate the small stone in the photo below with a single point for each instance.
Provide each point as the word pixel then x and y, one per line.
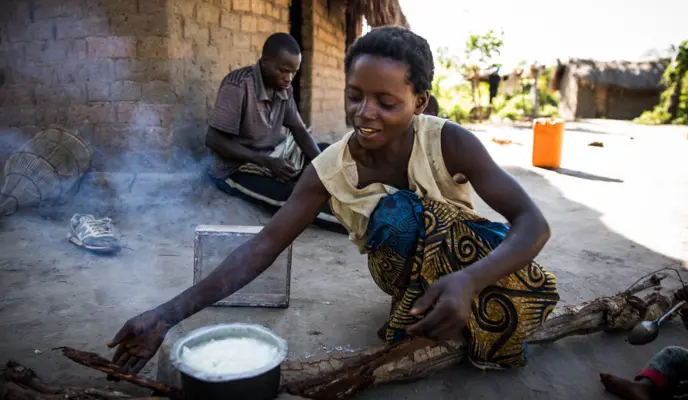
pixel 36 351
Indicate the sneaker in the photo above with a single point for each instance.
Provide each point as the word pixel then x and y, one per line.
pixel 93 234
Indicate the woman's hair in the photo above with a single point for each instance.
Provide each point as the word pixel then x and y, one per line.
pixel 398 44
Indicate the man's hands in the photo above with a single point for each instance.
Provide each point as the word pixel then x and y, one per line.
pixel 281 168
pixel 139 339
pixel 445 307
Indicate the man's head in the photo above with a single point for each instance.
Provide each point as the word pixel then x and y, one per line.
pixel 389 75
pixel 280 60
pixel 433 107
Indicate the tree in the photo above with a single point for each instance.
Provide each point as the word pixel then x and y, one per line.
pixel 479 53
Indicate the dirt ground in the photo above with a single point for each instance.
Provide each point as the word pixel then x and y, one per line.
pixel 617 212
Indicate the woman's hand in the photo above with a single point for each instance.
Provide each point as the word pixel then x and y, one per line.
pixel 445 307
pixel 139 340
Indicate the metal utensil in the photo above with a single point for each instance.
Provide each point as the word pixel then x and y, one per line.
pixel 647 331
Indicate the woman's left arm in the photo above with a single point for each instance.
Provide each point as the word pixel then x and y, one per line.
pixel 446 305
pixel 465 154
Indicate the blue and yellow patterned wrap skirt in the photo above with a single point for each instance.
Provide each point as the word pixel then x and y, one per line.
pixel 412 242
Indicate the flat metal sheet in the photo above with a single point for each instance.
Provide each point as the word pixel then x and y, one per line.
pixel 213 243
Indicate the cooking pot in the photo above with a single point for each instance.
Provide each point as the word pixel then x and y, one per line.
pixel 258 384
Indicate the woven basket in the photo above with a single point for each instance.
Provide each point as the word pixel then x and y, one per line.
pixel 43 170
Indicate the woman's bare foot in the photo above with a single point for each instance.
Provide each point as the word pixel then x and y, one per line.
pixel 627 389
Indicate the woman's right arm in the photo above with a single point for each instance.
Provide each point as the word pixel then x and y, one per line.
pixel 249 260
pixel 140 337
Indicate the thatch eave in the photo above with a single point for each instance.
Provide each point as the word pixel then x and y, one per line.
pixel 378 12
pixel 641 76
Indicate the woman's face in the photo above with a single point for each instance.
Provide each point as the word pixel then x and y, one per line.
pixel 380 101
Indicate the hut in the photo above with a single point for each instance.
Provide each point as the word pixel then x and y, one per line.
pixel 608 89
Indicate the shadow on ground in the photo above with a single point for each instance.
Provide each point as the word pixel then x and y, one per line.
pixel 583 175
pixel 54 294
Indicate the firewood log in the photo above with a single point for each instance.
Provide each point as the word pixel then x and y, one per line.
pixel 342 375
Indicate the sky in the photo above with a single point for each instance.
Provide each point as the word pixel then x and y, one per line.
pixel 535 30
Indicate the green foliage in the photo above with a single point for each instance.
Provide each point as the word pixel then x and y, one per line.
pixel 675 79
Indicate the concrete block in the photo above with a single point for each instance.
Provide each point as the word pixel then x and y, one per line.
pixel 213 243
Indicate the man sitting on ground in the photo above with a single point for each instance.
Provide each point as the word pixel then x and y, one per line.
pixel 433 107
pixel 255 158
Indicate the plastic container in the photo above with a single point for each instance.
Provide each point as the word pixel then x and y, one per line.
pixel 548 140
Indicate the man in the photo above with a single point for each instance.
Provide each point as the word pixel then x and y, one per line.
pixel 433 107
pixel 254 157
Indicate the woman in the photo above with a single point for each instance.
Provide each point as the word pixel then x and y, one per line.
pixel 399 183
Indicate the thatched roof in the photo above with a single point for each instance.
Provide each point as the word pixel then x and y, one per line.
pixel 379 12
pixel 645 75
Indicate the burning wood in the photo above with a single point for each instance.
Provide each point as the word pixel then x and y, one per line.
pixel 20 383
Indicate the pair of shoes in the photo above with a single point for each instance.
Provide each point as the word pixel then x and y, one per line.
pixel 93 234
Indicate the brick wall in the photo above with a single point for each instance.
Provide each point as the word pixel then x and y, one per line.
pixel 137 77
pixel 324 45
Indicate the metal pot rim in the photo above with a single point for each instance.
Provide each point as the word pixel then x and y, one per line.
pixel 223 331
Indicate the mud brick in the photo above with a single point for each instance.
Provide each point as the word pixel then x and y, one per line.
pixel 114 136
pixel 207 14
pixel 70 28
pixel 142 70
pixel 42 30
pixel 111 47
pixel 241 40
pixel 258 6
pixel 52 115
pixel 249 23
pixel 241 5
pixel 265 25
pixel 149 6
pixel 140 25
pixel 125 111
pixel 43 10
pixel 159 92
pixel 257 40
pixel 16 95
pixel 19 12
pixel 48 51
pixel 80 49
pixel 17 32
pixel 152 115
pixel 230 20
pixel 181 50
pixel 125 91
pixel 184 8
pixel 60 94
pixel 152 48
pixel 155 137
pixel 111 7
pixel 220 37
pixel 212 243
pixel 98 90
pixel 223 4
pixel 94 113
pixel 285 3
pixel 100 69
pixel 196 32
